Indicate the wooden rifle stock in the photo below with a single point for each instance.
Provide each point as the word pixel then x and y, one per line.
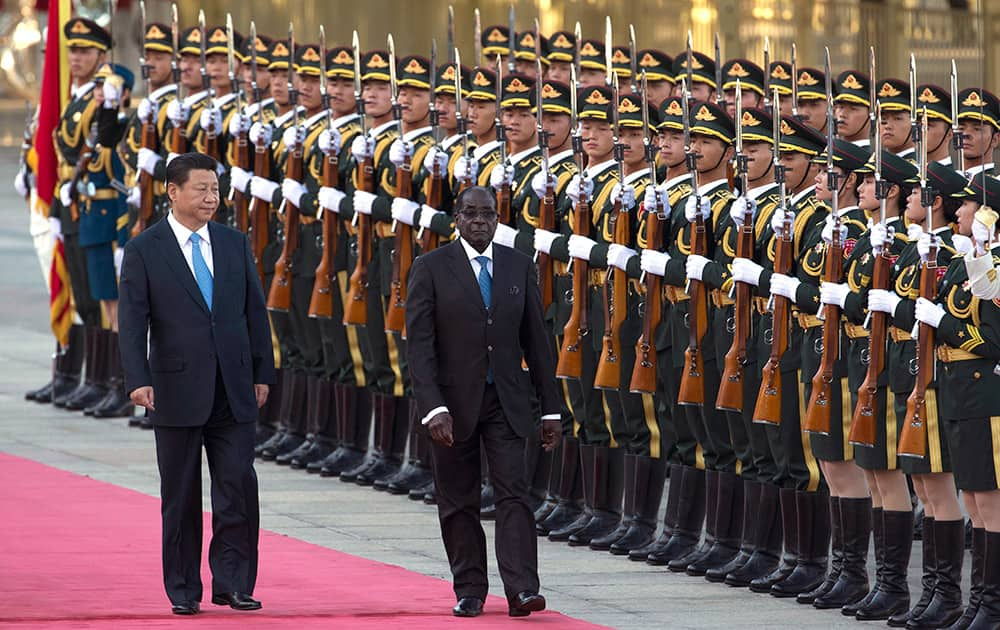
pixel 82 164
pixel 863 423
pixel 145 183
pixel 817 418
pixel 241 202
pixel 570 364
pixel 178 140
pixel 402 257
pixel 356 309
pixel 546 221
pixel 280 296
pixel 730 396
pixel 261 215
pixel 692 389
pixel 913 437
pixel 321 302
pixel 608 374
pixel 503 201
pixel 644 370
pixel 768 407
pixel 429 239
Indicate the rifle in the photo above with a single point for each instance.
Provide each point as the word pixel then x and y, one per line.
pixel 546 210
pixel 259 211
pixel 692 388
pixel 321 301
pixel 147 141
pixel 644 369
pixel 768 407
pixel 239 200
pixel 818 410
pixel 873 120
pixel 178 134
pixel 477 37
pixel 429 238
pixel 863 423
pixel 913 437
pixel 608 375
pixel 768 105
pixel 511 63
pixel 461 126
pixel 280 296
pixel 795 82
pixel 730 397
pixel 503 195
pixel 211 140
pixel 402 251
pixel 570 364
pixel 82 164
pixel 356 309
pixel 957 137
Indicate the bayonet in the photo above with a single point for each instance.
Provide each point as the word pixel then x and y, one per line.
pixel 873 120
pixel 451 36
pixel 686 91
pixel 359 102
pixel 927 194
pixel 649 149
pixel 234 81
pixel 511 40
pixel 609 52
pixel 632 61
pixel 543 136
pixel 914 123
pixel 957 137
pixel 459 120
pixel 434 114
pixel 768 105
pixel 142 51
pixel 720 97
pixel 254 88
pixel 795 82
pixel 619 148
pixel 578 36
pixel 574 119
pixel 205 80
pixel 293 94
pixel 175 66
pixel 324 94
pixel 397 109
pixel 478 39
pixel 497 122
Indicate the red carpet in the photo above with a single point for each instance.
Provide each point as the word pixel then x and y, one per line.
pixel 80 553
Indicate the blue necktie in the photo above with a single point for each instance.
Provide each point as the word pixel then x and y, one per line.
pixel 486 289
pixel 201 273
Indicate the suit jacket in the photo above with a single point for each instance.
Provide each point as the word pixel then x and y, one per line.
pixel 188 343
pixel 452 338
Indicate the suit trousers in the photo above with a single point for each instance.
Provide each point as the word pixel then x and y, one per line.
pixel 457 482
pixel 232 554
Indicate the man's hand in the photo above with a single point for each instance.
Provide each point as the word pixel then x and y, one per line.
pixel 551 432
pixel 441 428
pixel 143 396
pixel 261 391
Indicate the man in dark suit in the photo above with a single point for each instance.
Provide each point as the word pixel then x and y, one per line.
pixel 190 286
pixel 473 311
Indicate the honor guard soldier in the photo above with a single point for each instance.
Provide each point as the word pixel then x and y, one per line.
pixel 658 67
pixel 258 49
pixel 781 81
pixel 751 79
pixel 593 66
pixel 475 170
pixel 524 55
pixel 524 158
pixel 621 65
pixel 561 53
pixel 810 105
pixel 979 122
pixel 852 107
pixel 703 84
pixel 937 102
pixel 895 126
pixel 495 40
pixel 184 113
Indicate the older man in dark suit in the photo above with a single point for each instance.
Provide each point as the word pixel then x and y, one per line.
pixel 189 286
pixel 473 312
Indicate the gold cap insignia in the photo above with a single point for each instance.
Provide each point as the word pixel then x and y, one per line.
pixel 496 35
pixel 851 83
pixel 674 109
pixel 218 36
pixel 343 58
pixel 619 56
pixel 974 100
pixel 627 106
pixel 448 74
pixel 516 85
pixel 805 78
pixel 154 32
pixel 377 61
pixel 705 114
pixel 737 70
pixel 80 28
pixel 648 60
pixel 888 90
pixel 749 120
pixel 310 54
pixel 260 45
pixel 528 40
pixel 786 129
pixel 596 98
pixel 588 50
pixel 280 50
pixel 550 92
pixel 693 62
pixel 928 96
pixel 481 80
pixel 779 72
pixel 414 67
pixel 195 36
pixel 562 42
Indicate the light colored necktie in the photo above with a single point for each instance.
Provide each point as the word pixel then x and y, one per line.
pixel 201 273
pixel 486 289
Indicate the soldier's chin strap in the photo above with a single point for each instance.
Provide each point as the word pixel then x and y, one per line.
pixel 805 176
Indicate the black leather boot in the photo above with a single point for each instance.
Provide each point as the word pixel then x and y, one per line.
pixel 813 525
pixel 680 564
pixel 378 462
pixel 354 411
pixel 393 442
pixel 988 615
pixel 67 363
pixel 93 388
pixel 324 419
pixel 416 473
pixel 686 533
pixel 669 517
pixel 603 543
pixel 878 541
pixel 569 490
pixel 418 494
pixel 266 414
pixel 945 605
pixel 551 482
pixel 728 526
pixel 852 574
pixel 836 556
pixel 650 475
pixel 609 485
pixel 310 424
pixel 293 414
pixel 790 536
pixel 748 535
pixel 767 539
pixel 927 578
pixel 586 475
pixel 893 596
pixel 976 590
pixel 117 403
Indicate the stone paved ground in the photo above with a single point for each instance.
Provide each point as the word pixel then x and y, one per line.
pixel 586 584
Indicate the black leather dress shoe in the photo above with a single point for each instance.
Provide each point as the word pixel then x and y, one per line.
pixel 185 608
pixel 526 603
pixel 468 607
pixel 236 601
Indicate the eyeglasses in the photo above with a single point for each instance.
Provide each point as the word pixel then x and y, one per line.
pixel 483 215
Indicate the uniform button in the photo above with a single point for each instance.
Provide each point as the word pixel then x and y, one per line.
pixel 976 375
pixel 490 321
pixel 489 348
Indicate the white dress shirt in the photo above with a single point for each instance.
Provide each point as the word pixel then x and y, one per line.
pixel 183 236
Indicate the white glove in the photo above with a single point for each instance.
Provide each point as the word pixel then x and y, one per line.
pixel 261 134
pixel 654 195
pixel 55 228
pixel 251 110
pixel 881 236
pixel 438 157
pixel 466 169
pixel 400 152
pixel 580 187
pixel 501 175
pixel 691 209
pixel 928 312
pixel 178 112
pixel 778 220
pixel 962 244
pixel 134 198
pixel 239 124
pixel 883 301
pixel 66 194
pixel 625 194
pixel 263 189
pixel 329 141
pixel 119 256
pixel 505 235
pixel 146 111
pixel 580 246
pixel 981 235
pixel 539 183
pixel 619 255
pixel 784 285
pixel 111 95
pixel 170 157
pixel 363 202
pixel 403 210
pixel 544 239
pixel 924 244
pixel 695 266
pixel 833 293
pixel 427 215
pixel 913 231
pixel 239 179
pixel 294 137
pixel 330 198
pixel 827 233
pixel 147 159
pixel 654 262
pixel 747 271
pixel 292 191
pixel 743 210
pixel 20 183
pixel 211 120
pixel 363 148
